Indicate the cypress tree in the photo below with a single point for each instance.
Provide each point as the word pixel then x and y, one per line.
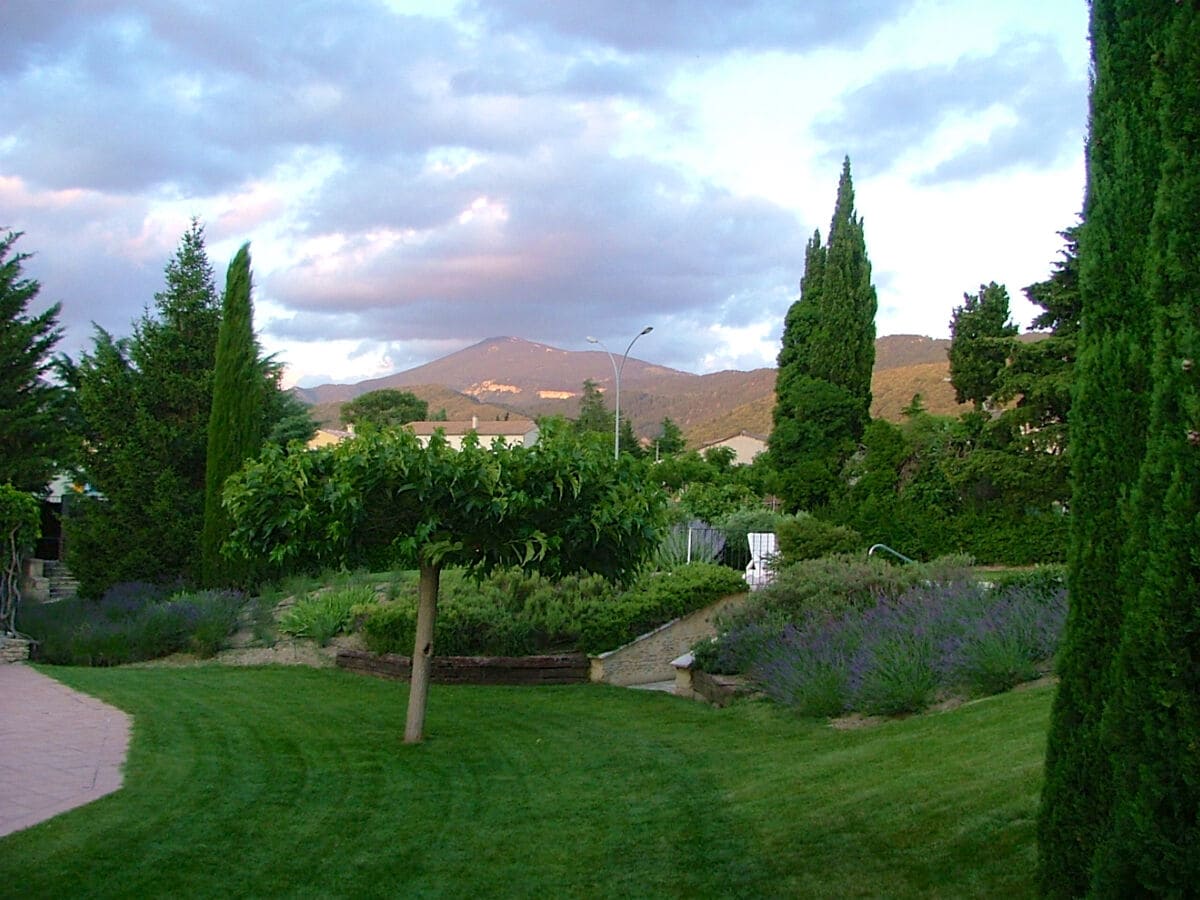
pixel 823 381
pixel 843 352
pixel 1109 419
pixel 1151 727
pixel 801 321
pixel 235 427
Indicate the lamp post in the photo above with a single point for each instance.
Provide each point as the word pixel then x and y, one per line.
pixel 617 370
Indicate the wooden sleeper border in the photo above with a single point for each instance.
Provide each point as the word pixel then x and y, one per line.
pixel 564 668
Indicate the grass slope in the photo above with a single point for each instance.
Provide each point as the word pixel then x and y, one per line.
pixel 284 782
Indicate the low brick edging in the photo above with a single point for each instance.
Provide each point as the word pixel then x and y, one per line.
pixel 564 668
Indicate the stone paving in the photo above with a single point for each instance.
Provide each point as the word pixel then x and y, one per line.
pixel 59 749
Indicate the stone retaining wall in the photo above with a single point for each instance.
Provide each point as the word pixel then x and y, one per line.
pixel 566 668
pixel 13 650
pixel 648 658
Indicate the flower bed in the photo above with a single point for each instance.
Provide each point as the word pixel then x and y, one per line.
pixel 899 654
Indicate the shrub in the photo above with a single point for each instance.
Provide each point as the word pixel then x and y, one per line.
pixel 896 654
pixel 1042 581
pixel 804 537
pixel 653 601
pixel 390 627
pixel 1006 639
pixel 805 668
pixel 895 674
pixel 512 614
pixel 833 584
pixel 132 623
pixel 321 616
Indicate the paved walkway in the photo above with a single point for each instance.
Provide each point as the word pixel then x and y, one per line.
pixel 58 748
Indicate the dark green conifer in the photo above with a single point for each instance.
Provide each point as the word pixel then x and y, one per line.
pixel 1109 419
pixel 981 343
pixel 823 382
pixel 235 427
pixel 1151 727
pixel 34 439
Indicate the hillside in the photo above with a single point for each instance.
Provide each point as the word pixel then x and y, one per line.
pixel 509 375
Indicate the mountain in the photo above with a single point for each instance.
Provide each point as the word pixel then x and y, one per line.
pixel 507 375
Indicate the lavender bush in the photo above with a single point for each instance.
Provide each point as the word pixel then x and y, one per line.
pixel 900 654
pixel 131 625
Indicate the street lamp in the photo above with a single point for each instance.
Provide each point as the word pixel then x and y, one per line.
pixel 617 370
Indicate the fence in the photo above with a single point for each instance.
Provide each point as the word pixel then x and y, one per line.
pixel 700 542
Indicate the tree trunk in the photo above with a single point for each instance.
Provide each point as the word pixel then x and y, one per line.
pixel 422 657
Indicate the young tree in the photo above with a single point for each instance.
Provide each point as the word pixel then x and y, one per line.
pixel 594 416
pixel 823 385
pixel 670 441
pixel 34 437
pixel 235 425
pixel 1109 424
pixel 981 343
pixel 630 442
pixel 384 408
pixel 563 505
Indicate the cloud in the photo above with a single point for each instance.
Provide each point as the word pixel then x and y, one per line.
pixel 696 26
pixel 1019 107
pixel 553 246
pixel 413 183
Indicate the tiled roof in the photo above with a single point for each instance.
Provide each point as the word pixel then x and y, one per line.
pixel 482 428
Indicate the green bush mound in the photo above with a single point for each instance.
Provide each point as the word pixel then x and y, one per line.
pixel 516 614
pixel 803 537
pixel 834 583
pixel 653 601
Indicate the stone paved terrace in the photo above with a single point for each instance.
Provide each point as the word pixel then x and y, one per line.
pixel 60 749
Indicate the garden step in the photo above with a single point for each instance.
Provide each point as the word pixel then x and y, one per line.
pixel 63 585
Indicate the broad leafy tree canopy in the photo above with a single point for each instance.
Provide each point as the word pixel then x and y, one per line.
pixel 382 500
pixel 384 408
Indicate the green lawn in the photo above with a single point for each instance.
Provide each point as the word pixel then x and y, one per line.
pixel 289 782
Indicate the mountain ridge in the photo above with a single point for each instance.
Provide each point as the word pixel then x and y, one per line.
pixel 507 375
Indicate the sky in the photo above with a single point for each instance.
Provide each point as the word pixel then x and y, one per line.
pixel 414 176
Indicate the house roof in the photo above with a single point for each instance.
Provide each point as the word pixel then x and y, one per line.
pixel 742 433
pixel 504 428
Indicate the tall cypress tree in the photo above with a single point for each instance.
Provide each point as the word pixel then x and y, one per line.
pixel 823 382
pixel 1151 727
pixel 843 352
pixel 235 426
pixel 1109 420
